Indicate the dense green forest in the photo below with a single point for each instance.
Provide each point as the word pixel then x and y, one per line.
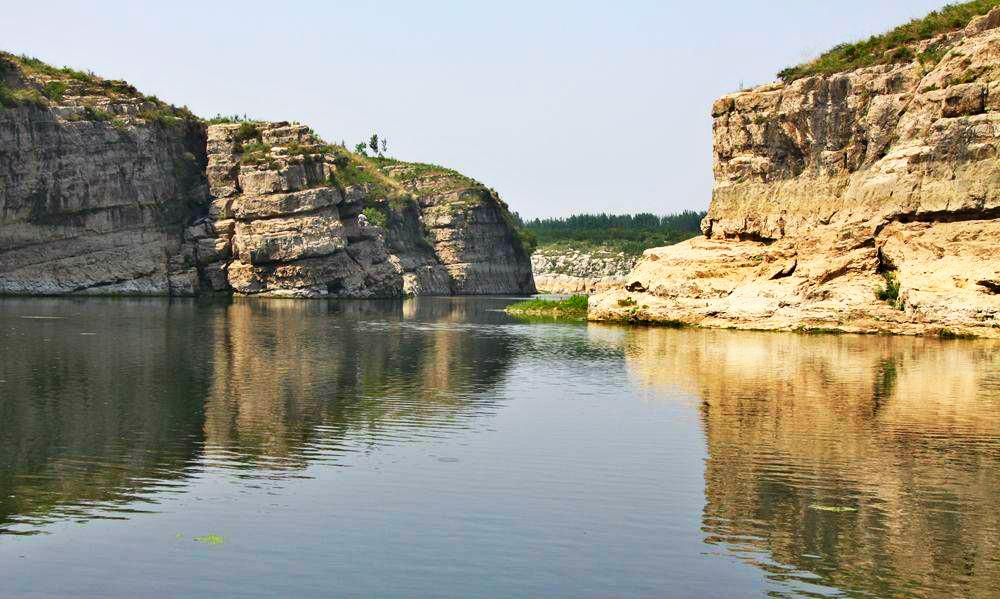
pixel 629 233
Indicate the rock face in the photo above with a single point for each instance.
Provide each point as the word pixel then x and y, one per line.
pixel 96 185
pixel 455 236
pixel 571 271
pixel 106 191
pixel 277 226
pixel 830 186
pixel 285 220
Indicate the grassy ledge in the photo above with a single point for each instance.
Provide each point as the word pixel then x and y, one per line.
pixel 893 46
pixel 573 308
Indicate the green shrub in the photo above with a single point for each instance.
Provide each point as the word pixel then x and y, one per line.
pixel 350 175
pixel 375 216
pixel 54 90
pixel 296 149
pixel 7 97
pixel 527 240
pixel 163 117
pixel 255 153
pixel 889 293
pixel 246 132
pixel 892 46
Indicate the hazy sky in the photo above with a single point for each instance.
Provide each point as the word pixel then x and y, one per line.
pixel 562 106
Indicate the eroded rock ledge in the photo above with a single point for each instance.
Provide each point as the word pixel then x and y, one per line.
pixel 826 186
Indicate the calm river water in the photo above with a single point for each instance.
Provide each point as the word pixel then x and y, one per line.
pixel 436 448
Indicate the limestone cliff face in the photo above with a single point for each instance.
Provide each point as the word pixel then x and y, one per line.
pixel 277 226
pixel 106 191
pixel 285 220
pixel 468 229
pixel 827 185
pixel 570 271
pixel 96 184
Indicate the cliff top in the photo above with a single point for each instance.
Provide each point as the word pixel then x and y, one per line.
pixel 27 81
pixel 925 39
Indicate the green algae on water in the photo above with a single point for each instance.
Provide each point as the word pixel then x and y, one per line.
pixel 210 539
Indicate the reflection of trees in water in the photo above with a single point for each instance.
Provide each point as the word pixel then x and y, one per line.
pixel 907 431
pixel 115 417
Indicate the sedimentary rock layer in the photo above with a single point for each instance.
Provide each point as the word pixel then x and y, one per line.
pixel 285 220
pixel 106 191
pixel 94 190
pixel 831 187
pixel 570 271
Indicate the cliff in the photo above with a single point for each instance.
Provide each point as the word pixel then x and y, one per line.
pixel 571 271
pixel 866 200
pixel 96 183
pixel 106 191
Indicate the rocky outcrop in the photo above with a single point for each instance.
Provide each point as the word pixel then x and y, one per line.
pixel 279 226
pixel 470 234
pixel 107 191
pixel 96 185
pixel 832 187
pixel 286 220
pixel 569 271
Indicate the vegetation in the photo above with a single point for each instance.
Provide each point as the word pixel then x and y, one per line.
pixel 950 334
pixel 889 293
pixel 256 153
pixel 378 146
pixel 229 119
pixel 39 84
pixel 893 46
pixel 247 132
pixel 628 233
pixel 574 308
pixel 12 98
pixel 376 216
pixel 209 539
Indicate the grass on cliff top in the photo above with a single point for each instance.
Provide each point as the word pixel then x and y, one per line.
pixel 41 84
pixel 408 173
pixel 574 308
pixel 892 46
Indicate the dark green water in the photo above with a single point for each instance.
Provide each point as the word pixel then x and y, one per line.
pixel 438 448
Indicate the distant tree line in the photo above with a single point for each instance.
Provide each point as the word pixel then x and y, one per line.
pixel 630 233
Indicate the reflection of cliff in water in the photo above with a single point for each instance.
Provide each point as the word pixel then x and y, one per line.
pixel 101 402
pixel 291 378
pixel 905 431
pixel 115 401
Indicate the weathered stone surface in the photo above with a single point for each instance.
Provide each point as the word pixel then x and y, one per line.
pixel 294 229
pixel 91 206
pixel 825 184
pixel 291 232
pixel 467 243
pixel 108 191
pixel 569 271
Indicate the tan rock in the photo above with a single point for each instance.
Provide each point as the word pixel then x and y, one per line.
pixel 825 184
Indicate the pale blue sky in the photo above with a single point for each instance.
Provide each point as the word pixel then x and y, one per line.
pixel 562 106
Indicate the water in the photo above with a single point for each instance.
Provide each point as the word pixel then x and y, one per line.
pixel 438 448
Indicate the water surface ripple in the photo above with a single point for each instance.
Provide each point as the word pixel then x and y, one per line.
pixel 435 447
